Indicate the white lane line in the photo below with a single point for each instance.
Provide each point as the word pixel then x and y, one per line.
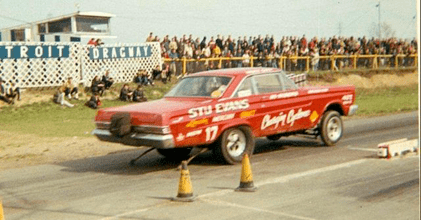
pixel 363 149
pixel 281 179
pixel 217 193
pixel 126 213
pixel 223 203
pixel 287 178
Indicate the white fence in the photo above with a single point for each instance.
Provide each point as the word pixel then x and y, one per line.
pixel 50 64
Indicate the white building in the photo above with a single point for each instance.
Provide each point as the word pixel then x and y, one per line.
pixel 75 27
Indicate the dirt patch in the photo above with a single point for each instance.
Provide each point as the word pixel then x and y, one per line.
pixel 374 81
pixel 26 150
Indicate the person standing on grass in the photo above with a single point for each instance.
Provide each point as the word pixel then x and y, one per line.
pixel 173 56
pixel 315 59
pixel 166 73
pixel 246 59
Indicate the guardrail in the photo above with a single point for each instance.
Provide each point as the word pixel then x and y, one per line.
pixel 296 63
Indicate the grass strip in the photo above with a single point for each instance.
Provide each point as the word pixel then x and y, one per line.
pixel 48 119
pixel 377 101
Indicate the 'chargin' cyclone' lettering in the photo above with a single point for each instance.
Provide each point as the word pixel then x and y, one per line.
pixel 283 119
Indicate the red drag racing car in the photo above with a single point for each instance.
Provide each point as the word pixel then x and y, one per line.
pixel 225 110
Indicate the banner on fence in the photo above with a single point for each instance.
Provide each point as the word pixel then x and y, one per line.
pixel 122 61
pixel 30 64
pixel 38 51
pixel 119 52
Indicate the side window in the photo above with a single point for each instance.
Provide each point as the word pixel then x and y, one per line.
pixel 268 83
pixel 245 89
pixel 288 84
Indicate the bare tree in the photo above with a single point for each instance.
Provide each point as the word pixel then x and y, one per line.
pixel 386 29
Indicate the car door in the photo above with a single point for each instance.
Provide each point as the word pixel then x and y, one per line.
pixel 246 90
pixel 280 108
pixel 297 103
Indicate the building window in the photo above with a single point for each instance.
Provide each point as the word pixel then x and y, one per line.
pixel 42 28
pixel 74 39
pixel 92 24
pixel 18 35
pixel 60 26
pixel 42 38
pixel 57 38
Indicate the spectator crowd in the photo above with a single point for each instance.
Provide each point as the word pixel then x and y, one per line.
pixel 267 51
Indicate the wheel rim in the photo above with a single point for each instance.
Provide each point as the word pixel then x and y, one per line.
pixel 334 128
pixel 236 143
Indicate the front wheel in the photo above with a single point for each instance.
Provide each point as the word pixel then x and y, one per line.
pixel 331 128
pixel 234 143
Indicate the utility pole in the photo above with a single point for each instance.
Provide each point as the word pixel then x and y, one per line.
pixel 340 28
pixel 77 6
pixel 380 31
pixel 318 18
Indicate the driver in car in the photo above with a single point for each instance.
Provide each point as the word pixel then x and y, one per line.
pixel 218 92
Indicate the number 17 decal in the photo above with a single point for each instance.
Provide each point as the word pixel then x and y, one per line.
pixel 211 133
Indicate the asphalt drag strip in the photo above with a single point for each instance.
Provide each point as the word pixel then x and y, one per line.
pixel 351 190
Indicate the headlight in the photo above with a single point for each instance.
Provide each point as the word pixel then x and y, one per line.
pixel 152 129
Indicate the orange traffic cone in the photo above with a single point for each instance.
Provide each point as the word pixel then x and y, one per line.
pixel 246 182
pixel 1 211
pixel 185 191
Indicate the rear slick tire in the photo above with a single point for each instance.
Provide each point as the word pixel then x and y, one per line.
pixel 331 128
pixel 234 143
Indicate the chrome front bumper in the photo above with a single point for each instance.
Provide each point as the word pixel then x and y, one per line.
pixel 137 139
pixel 352 109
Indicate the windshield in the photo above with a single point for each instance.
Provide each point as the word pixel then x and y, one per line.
pixel 205 86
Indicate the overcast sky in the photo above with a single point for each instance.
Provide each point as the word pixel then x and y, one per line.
pixel 136 18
